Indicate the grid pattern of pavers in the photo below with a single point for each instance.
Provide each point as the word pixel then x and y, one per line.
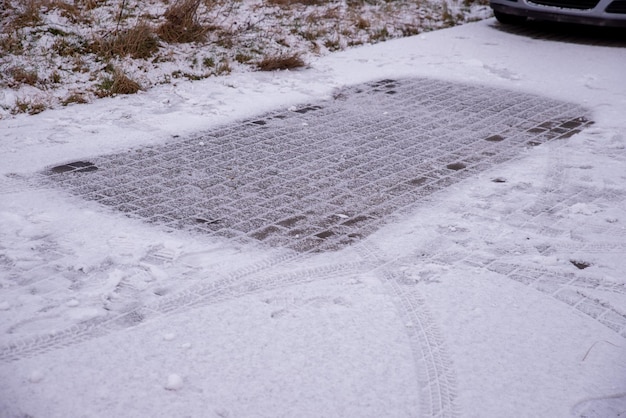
pixel 321 176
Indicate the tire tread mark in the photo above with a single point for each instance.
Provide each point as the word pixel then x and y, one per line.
pixel 15 183
pixel 571 290
pixel 438 379
pixel 212 295
pixel 207 295
pixel 39 344
pixel 436 376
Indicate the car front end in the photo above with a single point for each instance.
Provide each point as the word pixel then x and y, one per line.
pixel 589 12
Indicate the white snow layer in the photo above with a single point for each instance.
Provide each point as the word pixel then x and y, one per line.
pixel 337 347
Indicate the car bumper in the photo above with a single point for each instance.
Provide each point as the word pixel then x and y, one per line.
pixel 589 12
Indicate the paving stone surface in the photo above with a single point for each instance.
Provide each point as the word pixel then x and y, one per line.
pixel 322 176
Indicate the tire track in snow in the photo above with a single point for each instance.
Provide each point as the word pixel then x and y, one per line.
pixel 572 290
pixel 39 344
pixel 548 220
pixel 251 280
pixel 224 290
pixel 17 183
pixel 433 367
pixel 228 289
pixel 559 195
pixel 435 371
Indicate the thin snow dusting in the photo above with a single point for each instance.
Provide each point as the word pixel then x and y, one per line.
pixel 57 53
pixel 501 294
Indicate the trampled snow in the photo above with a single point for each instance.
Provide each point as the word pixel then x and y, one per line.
pixel 501 295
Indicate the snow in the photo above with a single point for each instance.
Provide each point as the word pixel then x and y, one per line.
pixel 338 340
pixel 58 48
pixel 174 382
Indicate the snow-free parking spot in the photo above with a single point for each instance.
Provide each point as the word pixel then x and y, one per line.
pixel 318 177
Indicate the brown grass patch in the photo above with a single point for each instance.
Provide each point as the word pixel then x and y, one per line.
pixel 362 23
pixel 332 13
pixel 281 62
pixel 68 47
pixel 223 68
pixel 74 98
pixel 55 78
pixel 32 107
pixel 286 3
pixel 136 42
pixel 23 76
pixel 182 24
pixel 74 12
pixel 11 44
pixel 89 4
pixel 118 83
pixel 28 15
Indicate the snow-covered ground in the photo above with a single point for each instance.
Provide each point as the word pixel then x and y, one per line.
pixel 55 52
pixel 471 305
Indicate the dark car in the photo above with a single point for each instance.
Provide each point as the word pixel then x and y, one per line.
pixel 588 12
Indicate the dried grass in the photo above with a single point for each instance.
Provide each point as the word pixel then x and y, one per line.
pixel 30 106
pixel 11 44
pixel 182 24
pixel 89 4
pixel 23 76
pixel 122 84
pixel 74 98
pixel 118 83
pixel 74 12
pixel 281 62
pixel 223 68
pixel 287 3
pixel 137 42
pixel 362 23
pixel 122 32
pixel 29 15
pixel 65 47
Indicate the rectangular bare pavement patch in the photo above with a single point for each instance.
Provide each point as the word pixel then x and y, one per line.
pixel 321 176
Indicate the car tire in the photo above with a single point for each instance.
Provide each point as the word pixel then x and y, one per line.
pixel 507 19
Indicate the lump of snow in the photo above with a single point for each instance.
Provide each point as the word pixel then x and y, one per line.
pixel 4 306
pixel 584 209
pixel 169 336
pixel 222 413
pixel 36 376
pixel 72 303
pixel 84 314
pixel 174 382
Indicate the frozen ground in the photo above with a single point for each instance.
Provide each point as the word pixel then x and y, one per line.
pixel 53 52
pixel 497 291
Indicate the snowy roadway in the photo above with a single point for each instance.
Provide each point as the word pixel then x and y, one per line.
pixel 433 226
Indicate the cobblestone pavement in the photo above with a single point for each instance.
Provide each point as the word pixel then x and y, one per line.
pixel 324 175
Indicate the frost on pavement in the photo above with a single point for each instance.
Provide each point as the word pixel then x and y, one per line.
pixel 322 176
